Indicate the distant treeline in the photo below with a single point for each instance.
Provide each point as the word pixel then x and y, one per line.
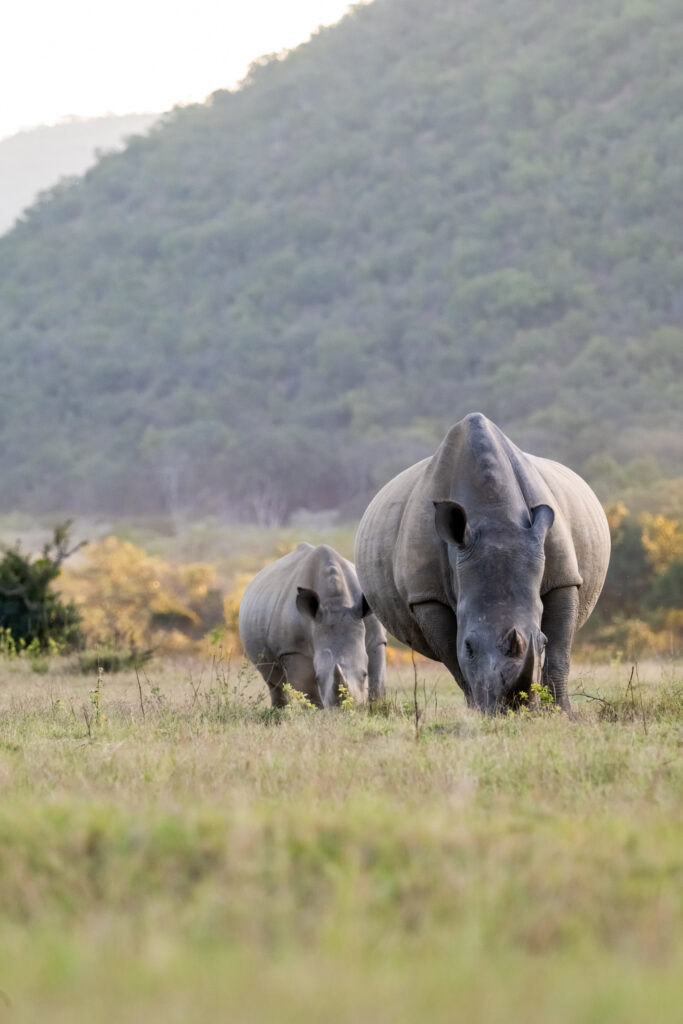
pixel 281 297
pixel 640 610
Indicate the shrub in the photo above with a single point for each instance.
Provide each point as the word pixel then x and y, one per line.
pixel 31 614
pixel 131 601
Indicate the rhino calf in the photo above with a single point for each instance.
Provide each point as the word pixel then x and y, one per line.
pixel 487 559
pixel 303 620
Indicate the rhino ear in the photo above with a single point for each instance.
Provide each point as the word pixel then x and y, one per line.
pixel 513 644
pixel 451 522
pixel 542 518
pixel 362 608
pixel 308 602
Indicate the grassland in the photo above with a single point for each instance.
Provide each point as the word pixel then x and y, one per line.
pixel 178 851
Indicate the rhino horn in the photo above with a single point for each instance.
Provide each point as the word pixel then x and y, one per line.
pixel 526 673
pixel 339 680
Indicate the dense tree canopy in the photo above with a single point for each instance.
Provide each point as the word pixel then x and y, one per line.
pixel 281 297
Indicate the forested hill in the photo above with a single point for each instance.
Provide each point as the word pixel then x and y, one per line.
pixel 34 159
pixel 281 297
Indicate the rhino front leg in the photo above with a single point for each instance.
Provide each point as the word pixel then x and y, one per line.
pixel 560 615
pixel 300 674
pixel 275 677
pixel 439 628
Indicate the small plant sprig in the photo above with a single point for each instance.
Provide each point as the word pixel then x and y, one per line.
pixel 8 645
pixel 346 703
pixel 93 716
pixel 296 700
pixel 96 698
pixel 541 693
pixel 417 710
pixel 539 700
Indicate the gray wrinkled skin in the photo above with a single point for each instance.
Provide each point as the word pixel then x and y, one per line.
pixel 487 559
pixel 303 620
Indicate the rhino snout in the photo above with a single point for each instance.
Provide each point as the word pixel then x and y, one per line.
pixel 336 685
pixel 488 700
pixel 497 676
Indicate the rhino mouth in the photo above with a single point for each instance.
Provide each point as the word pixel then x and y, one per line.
pixel 510 685
pixel 334 687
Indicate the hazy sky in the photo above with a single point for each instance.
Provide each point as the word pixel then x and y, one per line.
pixel 87 57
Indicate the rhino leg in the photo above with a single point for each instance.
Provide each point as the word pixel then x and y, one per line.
pixel 377 660
pixel 275 677
pixel 560 615
pixel 300 674
pixel 439 628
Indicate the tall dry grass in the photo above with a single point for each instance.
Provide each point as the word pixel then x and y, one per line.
pixel 170 846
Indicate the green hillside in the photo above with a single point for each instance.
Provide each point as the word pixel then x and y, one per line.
pixel 281 297
pixel 35 159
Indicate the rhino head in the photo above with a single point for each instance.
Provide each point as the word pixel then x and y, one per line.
pixel 340 658
pixel 496 566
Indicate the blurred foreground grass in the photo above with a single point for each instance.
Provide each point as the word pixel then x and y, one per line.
pixel 177 850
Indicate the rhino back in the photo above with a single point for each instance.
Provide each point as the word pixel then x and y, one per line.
pixel 268 620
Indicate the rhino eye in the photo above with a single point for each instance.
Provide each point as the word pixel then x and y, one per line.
pixel 469 649
pixel 543 639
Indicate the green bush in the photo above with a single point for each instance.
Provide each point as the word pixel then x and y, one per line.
pixel 32 616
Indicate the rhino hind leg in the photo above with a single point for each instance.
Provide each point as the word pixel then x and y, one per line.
pixel 439 628
pixel 560 616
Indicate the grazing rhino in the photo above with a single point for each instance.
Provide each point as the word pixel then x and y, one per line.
pixel 488 560
pixel 303 620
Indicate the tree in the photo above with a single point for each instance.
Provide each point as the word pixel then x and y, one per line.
pixel 31 614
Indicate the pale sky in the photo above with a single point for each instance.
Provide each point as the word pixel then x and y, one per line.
pixel 84 58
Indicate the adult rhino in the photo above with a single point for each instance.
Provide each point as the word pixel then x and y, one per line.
pixel 487 559
pixel 303 620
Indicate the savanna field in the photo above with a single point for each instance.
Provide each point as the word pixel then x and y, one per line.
pixel 172 849
pixel 223 340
